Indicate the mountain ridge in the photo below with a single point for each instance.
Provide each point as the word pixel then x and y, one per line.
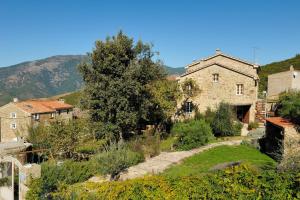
pixel 45 77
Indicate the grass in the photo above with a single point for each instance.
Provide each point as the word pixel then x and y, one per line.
pixel 203 162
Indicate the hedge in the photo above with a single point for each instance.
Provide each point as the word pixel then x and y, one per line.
pixel 242 182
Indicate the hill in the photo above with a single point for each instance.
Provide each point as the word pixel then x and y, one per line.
pixel 45 77
pixel 276 67
pixel 41 78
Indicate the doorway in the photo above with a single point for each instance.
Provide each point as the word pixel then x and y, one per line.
pixel 243 113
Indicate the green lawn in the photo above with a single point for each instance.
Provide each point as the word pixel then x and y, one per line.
pixel 204 161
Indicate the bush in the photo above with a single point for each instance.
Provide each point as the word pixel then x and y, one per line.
pixel 290 106
pixel 53 174
pixel 192 134
pixel 253 125
pixel 147 144
pixel 239 182
pixel 115 159
pixel 224 123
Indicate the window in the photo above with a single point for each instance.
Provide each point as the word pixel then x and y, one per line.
pixel 13 115
pixel 13 125
pixel 239 89
pixel 52 115
pixel 188 107
pixel 215 77
pixel 36 116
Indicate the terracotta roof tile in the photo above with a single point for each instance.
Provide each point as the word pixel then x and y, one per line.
pixel 42 106
pixel 279 121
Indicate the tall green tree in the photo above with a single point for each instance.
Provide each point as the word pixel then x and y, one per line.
pixel 115 85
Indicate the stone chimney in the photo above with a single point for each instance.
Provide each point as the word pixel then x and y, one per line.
pixel 15 100
pixel 218 51
pixel 291 68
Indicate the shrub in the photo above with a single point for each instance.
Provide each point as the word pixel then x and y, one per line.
pixel 53 174
pixel 192 134
pixel 223 123
pixel 253 125
pixel 147 144
pixel 115 159
pixel 290 106
pixel 239 182
pixel 209 115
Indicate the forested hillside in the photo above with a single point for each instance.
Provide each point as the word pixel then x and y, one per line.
pixel 276 67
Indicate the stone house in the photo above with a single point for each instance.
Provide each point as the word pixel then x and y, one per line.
pixel 223 78
pixel 17 116
pixel 282 82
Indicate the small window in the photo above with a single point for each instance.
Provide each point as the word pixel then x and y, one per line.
pixel 13 115
pixel 13 125
pixel 36 116
pixel 188 107
pixel 239 89
pixel 215 77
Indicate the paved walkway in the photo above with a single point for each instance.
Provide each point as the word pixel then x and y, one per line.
pixel 164 160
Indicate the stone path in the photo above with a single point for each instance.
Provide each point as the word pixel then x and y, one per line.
pixel 164 160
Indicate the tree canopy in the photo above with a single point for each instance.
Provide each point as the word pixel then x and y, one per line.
pixel 116 81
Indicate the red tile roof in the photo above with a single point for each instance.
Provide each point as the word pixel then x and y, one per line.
pixel 279 121
pixel 42 106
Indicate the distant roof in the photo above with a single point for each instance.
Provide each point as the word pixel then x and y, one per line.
pixel 42 106
pixel 172 77
pixel 279 121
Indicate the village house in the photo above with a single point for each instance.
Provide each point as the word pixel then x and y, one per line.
pixel 17 116
pixel 223 78
pixel 282 82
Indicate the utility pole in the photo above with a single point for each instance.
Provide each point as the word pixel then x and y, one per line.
pixel 255 48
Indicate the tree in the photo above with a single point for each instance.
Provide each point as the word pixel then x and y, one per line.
pixel 289 103
pixel 165 94
pixel 115 85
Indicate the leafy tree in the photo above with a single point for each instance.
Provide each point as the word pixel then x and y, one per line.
pixel 165 94
pixel 290 106
pixel 115 85
pixel 61 138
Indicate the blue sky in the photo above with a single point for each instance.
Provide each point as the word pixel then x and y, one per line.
pixel 181 31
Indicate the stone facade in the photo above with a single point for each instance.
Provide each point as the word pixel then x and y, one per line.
pixel 15 120
pixel 283 81
pixel 230 72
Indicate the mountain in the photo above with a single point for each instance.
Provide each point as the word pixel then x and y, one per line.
pixel 276 67
pixel 40 78
pixel 46 77
pixel 174 71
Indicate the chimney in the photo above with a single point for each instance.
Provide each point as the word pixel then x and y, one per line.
pixel 218 51
pixel 15 100
pixel 291 68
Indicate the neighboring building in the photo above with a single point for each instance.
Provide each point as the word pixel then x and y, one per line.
pixel 16 117
pixel 283 81
pixel 224 78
